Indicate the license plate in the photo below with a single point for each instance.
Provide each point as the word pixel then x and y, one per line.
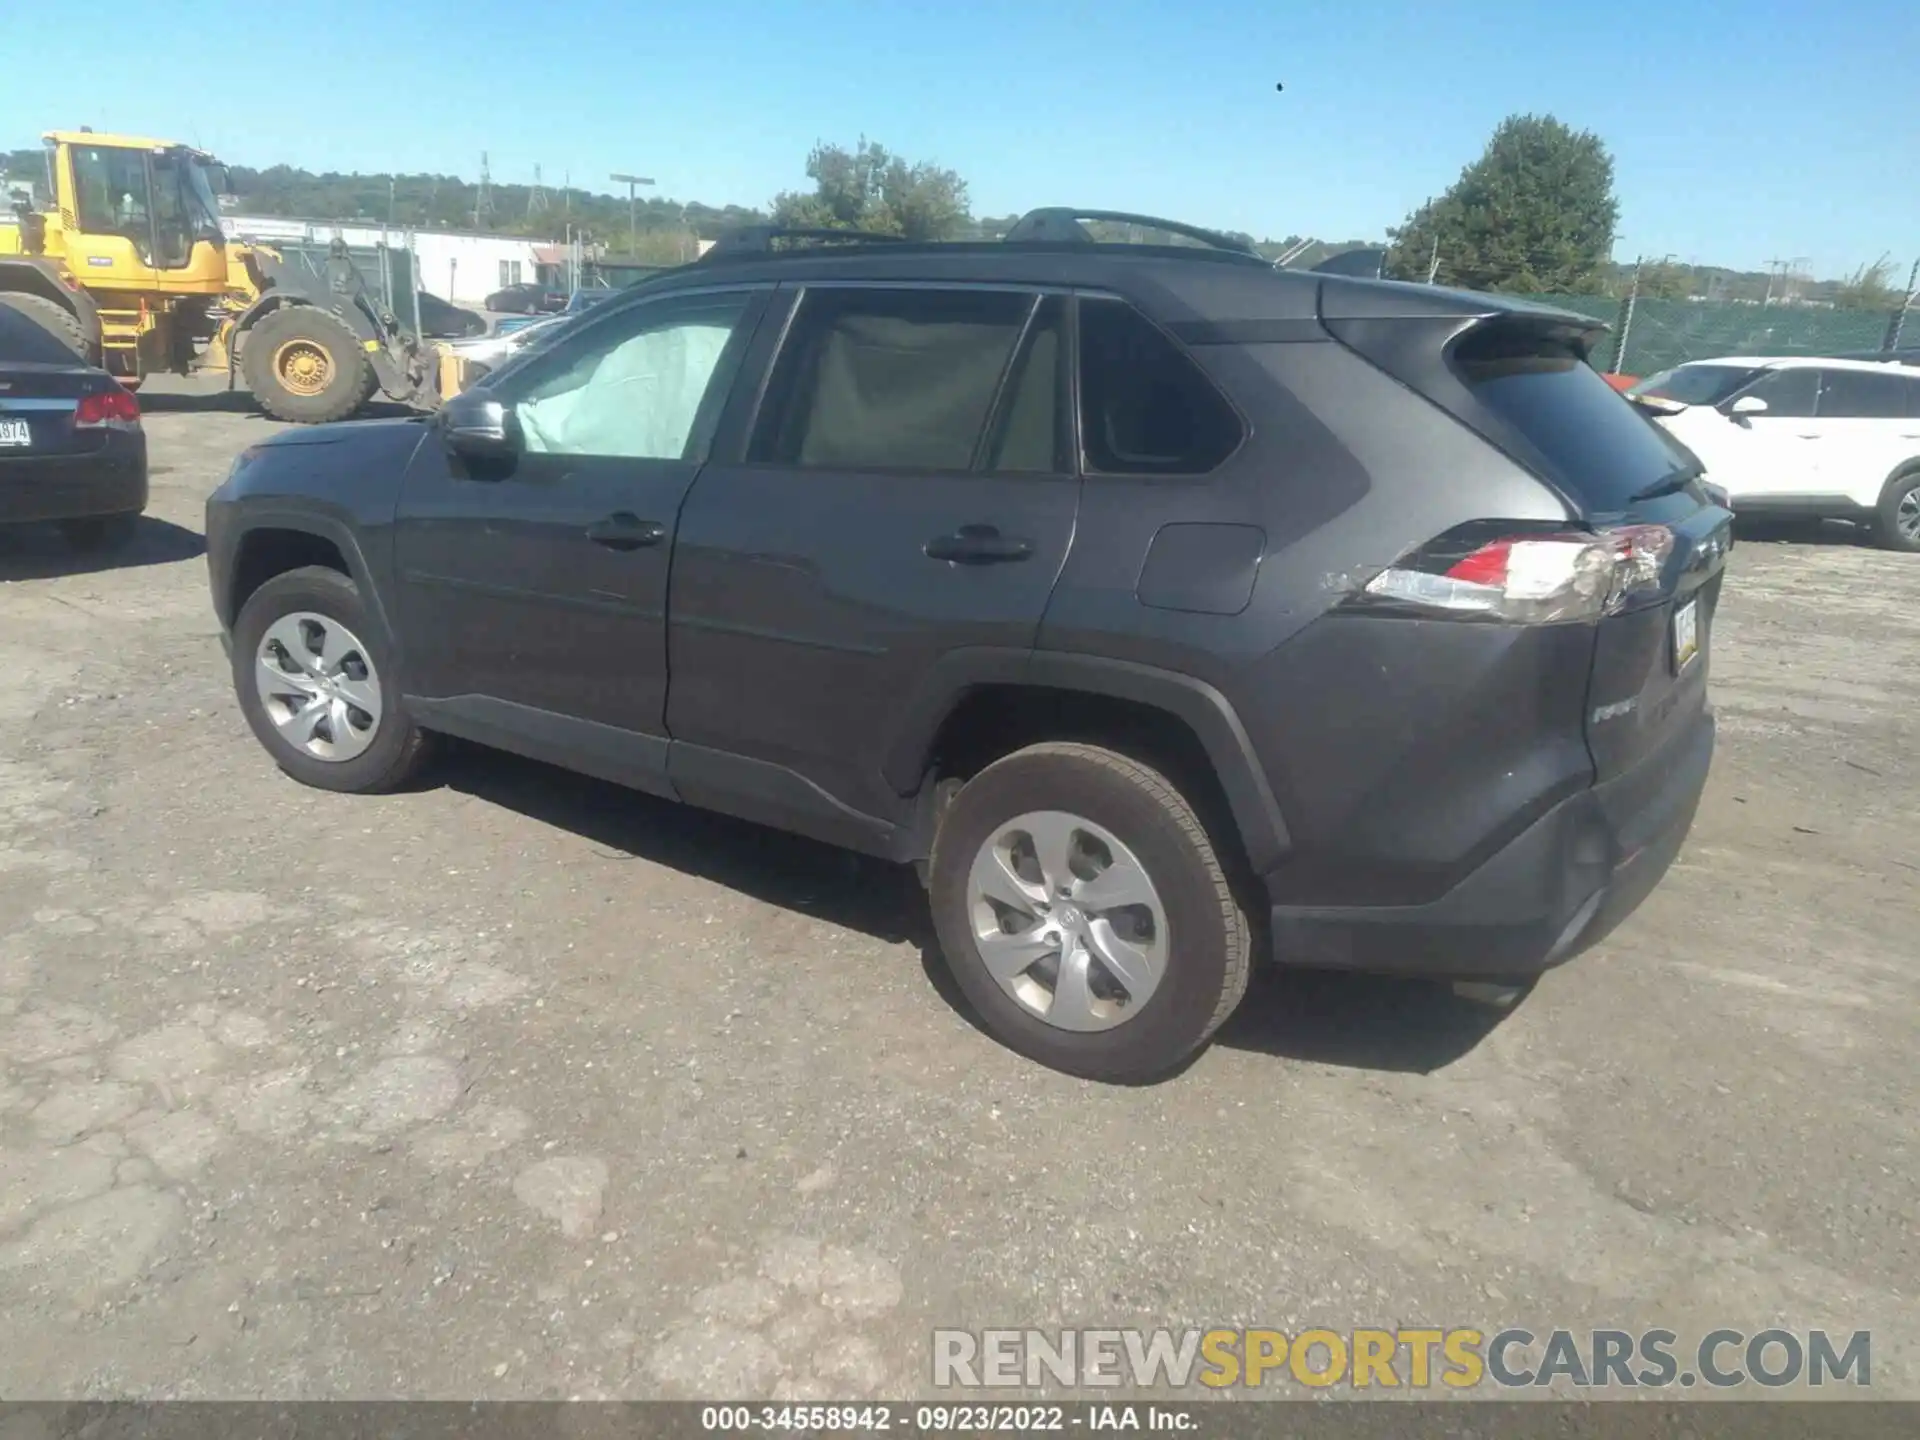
pixel 1686 634
pixel 15 432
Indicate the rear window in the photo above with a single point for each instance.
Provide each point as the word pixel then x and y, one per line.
pixel 23 341
pixel 1595 445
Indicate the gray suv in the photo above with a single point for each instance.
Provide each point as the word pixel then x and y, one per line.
pixel 1170 612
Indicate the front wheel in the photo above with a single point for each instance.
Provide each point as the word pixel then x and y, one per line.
pixel 1897 523
pixel 304 365
pixel 316 683
pixel 1085 913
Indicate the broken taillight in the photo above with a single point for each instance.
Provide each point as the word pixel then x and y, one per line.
pixel 114 409
pixel 1525 577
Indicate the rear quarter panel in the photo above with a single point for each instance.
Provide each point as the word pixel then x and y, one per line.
pixel 1405 750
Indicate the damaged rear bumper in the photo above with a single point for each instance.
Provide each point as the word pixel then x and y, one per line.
pixel 1557 888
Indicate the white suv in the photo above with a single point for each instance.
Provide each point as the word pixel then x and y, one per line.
pixel 1832 439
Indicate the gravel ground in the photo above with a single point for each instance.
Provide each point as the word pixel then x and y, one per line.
pixel 520 1085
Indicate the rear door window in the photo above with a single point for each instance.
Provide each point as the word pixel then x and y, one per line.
pixel 885 379
pixel 1868 395
pixel 1145 407
pixel 1594 445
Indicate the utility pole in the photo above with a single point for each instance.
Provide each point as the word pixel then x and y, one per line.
pixel 482 202
pixel 633 222
pixel 537 201
pixel 1774 267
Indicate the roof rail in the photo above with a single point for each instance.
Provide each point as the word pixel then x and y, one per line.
pixel 1061 225
pixel 764 239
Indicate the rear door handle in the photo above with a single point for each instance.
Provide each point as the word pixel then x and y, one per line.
pixel 626 532
pixel 977 545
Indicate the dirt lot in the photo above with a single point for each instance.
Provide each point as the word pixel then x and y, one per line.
pixel 523 1086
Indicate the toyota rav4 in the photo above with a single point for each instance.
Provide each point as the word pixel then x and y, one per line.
pixel 1169 611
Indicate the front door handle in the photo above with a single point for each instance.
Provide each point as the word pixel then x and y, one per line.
pixel 977 545
pixel 626 532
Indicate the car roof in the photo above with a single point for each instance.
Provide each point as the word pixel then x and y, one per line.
pixel 1179 283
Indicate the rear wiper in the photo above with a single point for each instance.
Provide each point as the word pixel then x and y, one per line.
pixel 1667 485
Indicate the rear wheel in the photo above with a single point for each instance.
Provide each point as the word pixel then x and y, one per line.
pixel 305 366
pixel 1897 525
pixel 55 319
pixel 1085 913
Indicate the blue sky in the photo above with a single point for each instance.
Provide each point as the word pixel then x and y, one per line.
pixel 1742 132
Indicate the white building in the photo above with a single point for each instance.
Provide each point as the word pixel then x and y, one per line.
pixel 462 266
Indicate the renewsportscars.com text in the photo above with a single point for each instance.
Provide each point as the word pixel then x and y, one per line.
pixel 1459 1358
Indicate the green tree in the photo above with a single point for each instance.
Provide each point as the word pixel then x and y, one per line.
pixel 1868 288
pixel 1535 212
pixel 869 188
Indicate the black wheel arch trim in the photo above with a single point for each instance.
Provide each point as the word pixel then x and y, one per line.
pixel 1896 482
pixel 321 527
pixel 1205 711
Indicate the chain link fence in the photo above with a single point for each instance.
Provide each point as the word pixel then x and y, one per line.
pixel 1663 333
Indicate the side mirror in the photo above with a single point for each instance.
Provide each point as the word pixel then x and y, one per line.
pixel 1748 405
pixel 478 426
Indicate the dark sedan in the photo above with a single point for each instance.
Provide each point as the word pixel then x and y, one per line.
pixel 526 299
pixel 440 320
pixel 71 446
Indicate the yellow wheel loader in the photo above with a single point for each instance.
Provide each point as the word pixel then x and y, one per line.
pixel 129 267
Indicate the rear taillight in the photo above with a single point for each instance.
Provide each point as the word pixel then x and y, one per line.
pixel 114 409
pixel 1525 577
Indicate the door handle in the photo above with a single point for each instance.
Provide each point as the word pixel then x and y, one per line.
pixel 977 545
pixel 626 532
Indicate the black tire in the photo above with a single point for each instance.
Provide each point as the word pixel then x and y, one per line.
pixel 277 338
pixel 1886 523
pixel 93 533
pixel 58 321
pixel 399 746
pixel 1211 943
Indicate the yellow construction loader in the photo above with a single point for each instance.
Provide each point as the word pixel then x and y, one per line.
pixel 129 267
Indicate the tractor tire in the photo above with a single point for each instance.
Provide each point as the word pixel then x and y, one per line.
pixel 305 366
pixel 55 319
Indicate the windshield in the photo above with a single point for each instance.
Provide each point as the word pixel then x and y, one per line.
pixel 203 204
pixel 184 208
pixel 1695 384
